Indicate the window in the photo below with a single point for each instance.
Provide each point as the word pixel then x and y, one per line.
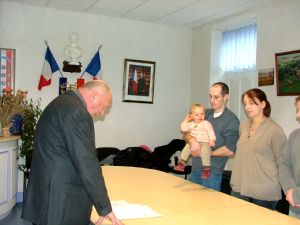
pixel 233 61
pixel 238 51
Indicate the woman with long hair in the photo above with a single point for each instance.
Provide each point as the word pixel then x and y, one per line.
pixel 255 173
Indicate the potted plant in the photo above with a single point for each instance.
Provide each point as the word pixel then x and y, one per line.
pixel 31 114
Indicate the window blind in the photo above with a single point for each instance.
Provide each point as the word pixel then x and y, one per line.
pixel 238 51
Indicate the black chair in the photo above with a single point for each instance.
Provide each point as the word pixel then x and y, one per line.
pixel 187 169
pixel 106 155
pixel 161 156
pixel 283 205
pixel 225 183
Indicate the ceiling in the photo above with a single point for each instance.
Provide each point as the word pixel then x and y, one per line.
pixel 186 13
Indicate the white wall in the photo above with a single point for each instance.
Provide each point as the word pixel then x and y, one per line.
pixel 200 80
pixel 278 31
pixel 25 28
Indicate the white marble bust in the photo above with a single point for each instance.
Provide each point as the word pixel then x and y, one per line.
pixel 72 51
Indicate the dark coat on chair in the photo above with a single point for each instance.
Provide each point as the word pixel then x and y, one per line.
pixel 65 178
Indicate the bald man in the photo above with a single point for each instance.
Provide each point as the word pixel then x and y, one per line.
pixel 66 179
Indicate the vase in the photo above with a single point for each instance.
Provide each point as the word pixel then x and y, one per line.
pixel 16 125
pixel 6 132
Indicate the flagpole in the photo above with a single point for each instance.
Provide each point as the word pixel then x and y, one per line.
pixel 92 58
pixel 58 67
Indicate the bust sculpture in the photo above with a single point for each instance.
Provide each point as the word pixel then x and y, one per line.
pixel 72 51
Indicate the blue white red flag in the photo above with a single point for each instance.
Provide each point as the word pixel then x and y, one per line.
pixel 50 67
pixel 94 68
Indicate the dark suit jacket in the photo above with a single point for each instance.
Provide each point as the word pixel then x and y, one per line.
pixel 65 178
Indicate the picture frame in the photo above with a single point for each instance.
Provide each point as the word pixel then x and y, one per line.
pixel 7 66
pixel 288 73
pixel 266 77
pixel 138 81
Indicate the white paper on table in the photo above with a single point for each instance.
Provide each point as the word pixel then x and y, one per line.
pixel 126 211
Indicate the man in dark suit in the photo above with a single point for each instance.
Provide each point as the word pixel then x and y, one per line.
pixel 66 178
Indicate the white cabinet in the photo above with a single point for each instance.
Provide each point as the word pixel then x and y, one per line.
pixel 8 174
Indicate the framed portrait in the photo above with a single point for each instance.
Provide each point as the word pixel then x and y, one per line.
pixel 288 73
pixel 7 65
pixel 138 81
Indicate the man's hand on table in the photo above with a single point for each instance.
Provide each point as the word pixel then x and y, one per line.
pixel 110 216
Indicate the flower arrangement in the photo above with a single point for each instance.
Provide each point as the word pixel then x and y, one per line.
pixel 11 105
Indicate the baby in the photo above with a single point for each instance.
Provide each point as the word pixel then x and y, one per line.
pixel 202 131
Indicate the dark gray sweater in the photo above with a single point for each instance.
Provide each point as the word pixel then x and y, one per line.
pixel 289 168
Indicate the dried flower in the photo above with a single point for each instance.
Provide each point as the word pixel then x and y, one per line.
pixel 11 105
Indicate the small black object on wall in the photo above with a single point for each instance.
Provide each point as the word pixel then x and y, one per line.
pixel 71 67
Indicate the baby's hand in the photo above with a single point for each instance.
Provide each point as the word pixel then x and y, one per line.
pixel 188 118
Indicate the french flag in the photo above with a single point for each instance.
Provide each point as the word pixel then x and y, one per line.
pixel 50 67
pixel 94 67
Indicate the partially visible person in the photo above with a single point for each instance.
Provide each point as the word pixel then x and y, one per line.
pixel 141 84
pixel 130 84
pixel 66 179
pixel 255 173
pixel 226 126
pixel 289 168
pixel 202 131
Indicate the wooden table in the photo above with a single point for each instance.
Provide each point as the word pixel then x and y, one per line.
pixel 182 202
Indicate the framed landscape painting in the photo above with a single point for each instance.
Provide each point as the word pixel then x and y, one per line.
pixel 138 81
pixel 266 77
pixel 288 73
